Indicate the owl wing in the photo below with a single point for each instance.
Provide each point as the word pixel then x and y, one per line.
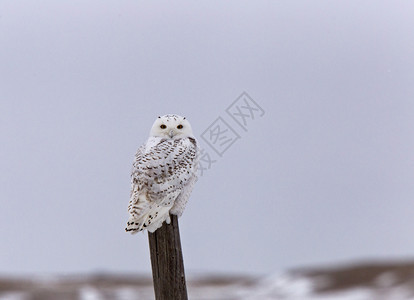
pixel 161 172
pixel 188 176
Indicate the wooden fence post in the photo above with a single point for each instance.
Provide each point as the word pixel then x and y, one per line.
pixel 167 262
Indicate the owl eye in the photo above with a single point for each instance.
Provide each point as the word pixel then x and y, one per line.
pixel 163 126
pixel 180 126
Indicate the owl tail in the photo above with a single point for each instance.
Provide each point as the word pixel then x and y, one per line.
pixel 151 220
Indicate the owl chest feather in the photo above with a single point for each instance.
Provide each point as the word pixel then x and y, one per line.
pixel 163 166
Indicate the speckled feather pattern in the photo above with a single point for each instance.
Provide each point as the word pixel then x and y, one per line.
pixel 163 175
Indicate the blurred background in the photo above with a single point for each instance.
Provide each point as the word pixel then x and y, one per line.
pixel 319 173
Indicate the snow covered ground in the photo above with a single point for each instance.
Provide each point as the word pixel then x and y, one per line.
pixel 392 281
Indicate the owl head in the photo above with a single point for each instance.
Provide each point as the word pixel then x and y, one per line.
pixel 171 127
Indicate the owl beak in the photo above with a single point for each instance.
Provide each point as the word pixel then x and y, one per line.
pixel 171 134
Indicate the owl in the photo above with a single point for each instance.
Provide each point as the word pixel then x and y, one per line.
pixel 163 174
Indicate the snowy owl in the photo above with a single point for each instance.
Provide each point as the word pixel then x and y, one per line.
pixel 163 174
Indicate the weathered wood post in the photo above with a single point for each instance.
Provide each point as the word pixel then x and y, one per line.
pixel 167 262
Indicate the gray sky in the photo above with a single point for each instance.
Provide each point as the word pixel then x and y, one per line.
pixel 325 175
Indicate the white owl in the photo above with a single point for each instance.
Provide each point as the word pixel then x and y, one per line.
pixel 163 174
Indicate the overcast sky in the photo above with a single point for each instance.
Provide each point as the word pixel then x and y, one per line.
pixel 322 172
